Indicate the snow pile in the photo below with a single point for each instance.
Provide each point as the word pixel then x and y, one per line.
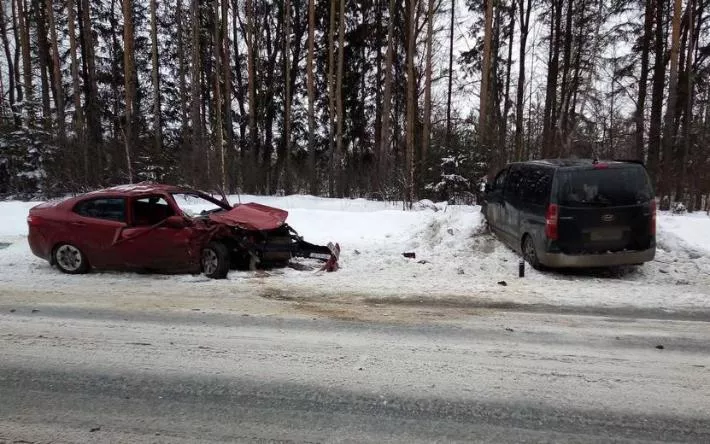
pixel 456 260
pixel 693 230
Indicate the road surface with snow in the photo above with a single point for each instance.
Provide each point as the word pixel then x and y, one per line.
pixel 72 374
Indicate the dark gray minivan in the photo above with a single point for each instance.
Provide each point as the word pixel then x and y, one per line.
pixel 565 213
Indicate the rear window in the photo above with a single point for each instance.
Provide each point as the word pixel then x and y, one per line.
pixel 604 187
pixel 108 209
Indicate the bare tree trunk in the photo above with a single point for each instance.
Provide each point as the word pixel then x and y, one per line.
pixel 56 72
pixel 411 102
pixel 659 72
pixel 567 88
pixel 506 95
pixel 10 65
pixel 313 173
pixel 331 97
pixel 670 117
pixel 384 141
pixel 375 181
pixel 426 133
pixel 340 155
pixel 643 80
pixel 26 60
pixel 18 69
pixel 227 96
pixel 157 136
pixel 128 74
pixel 287 98
pixel 484 118
pixel 37 14
pixel 251 84
pixel 195 97
pixel 76 91
pixel 239 92
pixel 182 83
pixel 688 120
pixel 519 104
pixel 451 73
pixel 549 118
pixel 217 107
pixel 90 87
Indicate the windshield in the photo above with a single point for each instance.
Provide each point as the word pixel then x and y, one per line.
pixel 194 205
pixel 604 187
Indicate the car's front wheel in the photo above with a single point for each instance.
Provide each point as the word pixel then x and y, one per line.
pixel 215 260
pixel 69 259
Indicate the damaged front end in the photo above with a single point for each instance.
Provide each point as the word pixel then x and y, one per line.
pixel 251 235
pixel 274 248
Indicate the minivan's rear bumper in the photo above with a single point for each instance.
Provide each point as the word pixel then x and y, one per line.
pixel 561 260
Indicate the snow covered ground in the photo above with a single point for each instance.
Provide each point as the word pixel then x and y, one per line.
pixel 456 262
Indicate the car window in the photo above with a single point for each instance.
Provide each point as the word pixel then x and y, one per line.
pixel 515 182
pixel 499 181
pixel 536 184
pixel 605 187
pixel 150 210
pixel 193 205
pixel 103 208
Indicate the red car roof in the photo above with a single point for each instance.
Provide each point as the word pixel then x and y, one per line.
pixel 138 188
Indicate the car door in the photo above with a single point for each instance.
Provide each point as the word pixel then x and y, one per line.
pixel 93 227
pixel 494 200
pixel 149 243
pixel 512 203
pixel 536 186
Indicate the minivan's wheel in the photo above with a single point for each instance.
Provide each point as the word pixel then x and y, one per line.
pixel 529 252
pixel 70 259
pixel 215 260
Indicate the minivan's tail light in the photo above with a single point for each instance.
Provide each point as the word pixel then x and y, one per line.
pixel 551 218
pixel 652 228
pixel 601 166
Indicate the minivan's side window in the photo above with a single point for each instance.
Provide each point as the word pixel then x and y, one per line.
pixel 537 184
pixel 499 181
pixel 103 208
pixel 515 185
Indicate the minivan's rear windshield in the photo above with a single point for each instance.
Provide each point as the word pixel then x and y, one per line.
pixel 604 187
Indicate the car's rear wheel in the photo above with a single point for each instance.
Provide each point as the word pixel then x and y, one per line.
pixel 215 260
pixel 529 252
pixel 69 259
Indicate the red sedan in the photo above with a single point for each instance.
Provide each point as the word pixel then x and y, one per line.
pixel 165 228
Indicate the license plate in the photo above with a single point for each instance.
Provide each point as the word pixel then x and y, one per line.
pixel 320 256
pixel 606 235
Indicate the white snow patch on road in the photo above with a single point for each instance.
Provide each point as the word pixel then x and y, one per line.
pixel 456 259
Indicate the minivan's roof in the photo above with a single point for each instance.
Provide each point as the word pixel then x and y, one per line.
pixel 562 163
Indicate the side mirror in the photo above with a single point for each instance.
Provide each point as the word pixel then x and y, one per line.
pixel 488 187
pixel 176 222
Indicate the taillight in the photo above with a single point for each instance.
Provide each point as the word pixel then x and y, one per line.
pixel 601 166
pixel 652 228
pixel 33 221
pixel 551 218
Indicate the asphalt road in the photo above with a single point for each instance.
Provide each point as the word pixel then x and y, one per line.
pixel 80 375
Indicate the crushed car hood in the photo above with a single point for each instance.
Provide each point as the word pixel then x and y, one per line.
pixel 252 216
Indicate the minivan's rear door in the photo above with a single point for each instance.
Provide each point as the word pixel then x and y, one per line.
pixel 604 208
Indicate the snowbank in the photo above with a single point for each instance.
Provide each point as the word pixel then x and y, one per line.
pixel 456 261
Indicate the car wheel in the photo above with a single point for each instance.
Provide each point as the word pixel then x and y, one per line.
pixel 529 252
pixel 70 259
pixel 215 260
